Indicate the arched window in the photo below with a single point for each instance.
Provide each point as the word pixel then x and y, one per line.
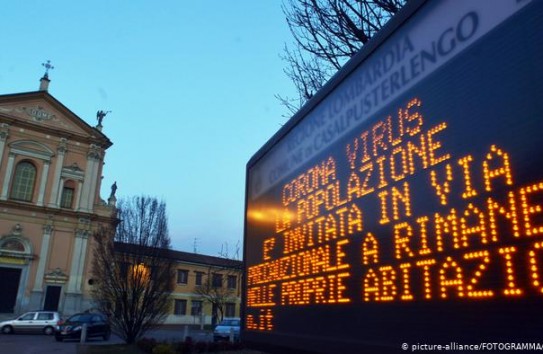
pixel 67 198
pixel 23 181
pixel 12 245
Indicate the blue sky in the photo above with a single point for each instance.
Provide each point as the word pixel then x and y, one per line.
pixel 190 85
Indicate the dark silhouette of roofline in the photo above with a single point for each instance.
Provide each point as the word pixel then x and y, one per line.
pixel 179 256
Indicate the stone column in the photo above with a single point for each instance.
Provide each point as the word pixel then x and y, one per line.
pixel 87 199
pixel 77 256
pixel 82 260
pixel 73 298
pixel 7 177
pixel 78 195
pixel 36 296
pixel 61 189
pixel 4 133
pixel 94 183
pixel 43 182
pixel 61 152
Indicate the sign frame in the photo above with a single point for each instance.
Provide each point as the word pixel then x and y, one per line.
pixel 274 343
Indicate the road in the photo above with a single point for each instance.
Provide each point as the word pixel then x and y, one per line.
pixel 41 344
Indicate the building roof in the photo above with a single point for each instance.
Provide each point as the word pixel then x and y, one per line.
pixel 83 131
pixel 181 256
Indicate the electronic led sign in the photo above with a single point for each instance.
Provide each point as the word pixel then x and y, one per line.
pixel 405 205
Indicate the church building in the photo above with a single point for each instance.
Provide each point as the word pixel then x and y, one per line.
pixel 50 174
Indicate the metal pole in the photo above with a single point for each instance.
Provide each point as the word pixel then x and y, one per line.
pixel 186 333
pixel 84 333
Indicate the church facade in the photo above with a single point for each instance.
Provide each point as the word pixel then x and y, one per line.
pixel 50 174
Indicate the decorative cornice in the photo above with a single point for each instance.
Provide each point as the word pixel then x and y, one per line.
pixel 22 256
pixel 84 221
pixel 17 230
pixel 57 276
pixel 83 228
pixel 62 146
pixel 73 172
pixel 47 130
pixel 48 229
pixel 31 148
pixel 84 234
pixel 10 109
pixel 95 152
pixel 39 114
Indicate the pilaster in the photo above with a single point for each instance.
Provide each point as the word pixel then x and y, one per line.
pixel 7 177
pixel 86 202
pixel 43 182
pixel 94 183
pixel 4 133
pixel 60 188
pixel 43 258
pixel 78 260
pixel 61 152
pixel 78 195
pixel 36 296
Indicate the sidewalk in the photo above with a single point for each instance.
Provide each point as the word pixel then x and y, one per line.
pixel 176 333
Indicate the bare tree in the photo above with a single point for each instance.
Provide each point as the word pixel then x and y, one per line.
pixel 216 288
pixel 326 34
pixel 133 273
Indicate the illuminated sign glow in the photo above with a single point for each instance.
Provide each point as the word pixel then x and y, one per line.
pixel 429 215
pixel 319 213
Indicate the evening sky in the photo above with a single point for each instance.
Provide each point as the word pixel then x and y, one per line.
pixel 190 85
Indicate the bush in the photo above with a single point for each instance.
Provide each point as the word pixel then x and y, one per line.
pixel 200 347
pixel 147 345
pixel 163 349
pixel 151 346
pixel 185 347
pixel 215 347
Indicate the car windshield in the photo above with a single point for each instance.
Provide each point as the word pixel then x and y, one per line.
pixel 229 323
pixel 80 318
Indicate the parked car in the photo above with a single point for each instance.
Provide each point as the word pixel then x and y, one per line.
pixel 36 321
pixel 225 327
pixel 97 326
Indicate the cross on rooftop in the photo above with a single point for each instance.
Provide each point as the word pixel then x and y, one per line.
pixel 47 67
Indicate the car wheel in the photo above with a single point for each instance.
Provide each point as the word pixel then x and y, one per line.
pixel 7 329
pixel 59 339
pixel 48 331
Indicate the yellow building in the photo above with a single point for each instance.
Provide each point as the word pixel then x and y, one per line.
pixel 205 288
pixel 203 283
pixel 50 174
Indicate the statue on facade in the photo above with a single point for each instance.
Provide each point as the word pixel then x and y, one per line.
pixel 100 116
pixel 113 189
